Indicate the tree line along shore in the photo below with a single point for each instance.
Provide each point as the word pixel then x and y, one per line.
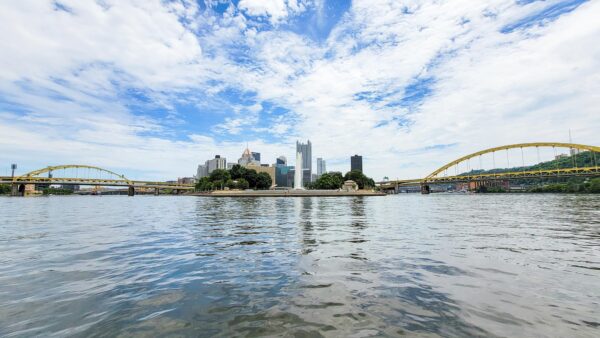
pixel 242 178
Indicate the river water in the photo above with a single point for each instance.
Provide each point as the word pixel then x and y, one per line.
pixel 404 265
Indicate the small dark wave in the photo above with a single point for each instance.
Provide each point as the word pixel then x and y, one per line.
pixel 316 286
pixel 586 267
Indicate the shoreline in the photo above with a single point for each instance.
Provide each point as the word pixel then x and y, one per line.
pixel 287 193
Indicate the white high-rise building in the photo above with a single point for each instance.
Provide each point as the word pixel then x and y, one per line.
pixel 298 172
pixel 321 169
pixel 209 166
pixel 216 163
pixel 306 150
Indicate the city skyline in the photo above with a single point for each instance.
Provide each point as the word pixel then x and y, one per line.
pixel 254 158
pixel 409 86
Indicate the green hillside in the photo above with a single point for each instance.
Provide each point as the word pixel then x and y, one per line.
pixel 554 184
pixel 583 159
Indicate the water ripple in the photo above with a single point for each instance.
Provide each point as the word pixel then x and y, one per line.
pixel 438 265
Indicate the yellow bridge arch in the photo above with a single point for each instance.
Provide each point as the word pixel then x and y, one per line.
pixel 512 146
pixel 69 166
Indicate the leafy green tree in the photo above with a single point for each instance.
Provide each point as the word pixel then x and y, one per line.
pixel 4 189
pixel 218 185
pixel 594 185
pixel 220 175
pixel 263 181
pixel 251 177
pixel 337 175
pixel 360 179
pixel 204 184
pixel 231 184
pixel 328 181
pixel 242 184
pixel 237 171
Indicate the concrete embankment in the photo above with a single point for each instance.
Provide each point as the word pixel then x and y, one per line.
pixel 287 193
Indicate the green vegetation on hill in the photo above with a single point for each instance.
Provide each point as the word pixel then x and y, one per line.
pixel 552 184
pixel 237 177
pixel 573 185
pixel 592 186
pixel 583 159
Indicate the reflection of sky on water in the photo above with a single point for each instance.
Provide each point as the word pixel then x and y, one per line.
pixel 440 265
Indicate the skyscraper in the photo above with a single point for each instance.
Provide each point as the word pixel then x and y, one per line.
pixel 320 167
pixel 356 163
pixel 298 179
pixel 202 171
pixel 306 150
pixel 216 163
pixel 281 160
pixel 256 156
pixel 284 175
pixel 248 157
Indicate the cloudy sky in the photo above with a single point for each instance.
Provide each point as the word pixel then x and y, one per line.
pixel 152 88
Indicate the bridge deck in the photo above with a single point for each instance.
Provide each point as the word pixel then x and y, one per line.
pixel 562 172
pixel 94 182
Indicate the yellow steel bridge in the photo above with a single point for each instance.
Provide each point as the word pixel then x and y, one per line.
pixel 440 175
pixel 77 174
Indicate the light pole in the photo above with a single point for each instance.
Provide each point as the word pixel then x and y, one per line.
pixel 13 188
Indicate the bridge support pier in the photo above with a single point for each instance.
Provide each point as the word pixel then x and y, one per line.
pixel 156 191
pixel 131 191
pixel 425 189
pixel 17 189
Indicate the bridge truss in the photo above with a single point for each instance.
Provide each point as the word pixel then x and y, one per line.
pixel 77 174
pixel 442 176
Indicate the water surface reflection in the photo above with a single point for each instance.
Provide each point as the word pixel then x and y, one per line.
pixel 494 265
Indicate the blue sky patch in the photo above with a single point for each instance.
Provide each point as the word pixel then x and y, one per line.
pixel 317 22
pixel 544 16
pixel 416 92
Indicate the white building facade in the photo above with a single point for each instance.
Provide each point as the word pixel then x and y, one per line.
pixel 209 166
pixel 216 163
pixel 321 168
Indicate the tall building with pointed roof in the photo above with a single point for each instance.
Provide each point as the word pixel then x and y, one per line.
pixel 251 160
pixel 248 158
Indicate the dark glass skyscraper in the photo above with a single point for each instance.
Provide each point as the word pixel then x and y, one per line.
pixel 284 175
pixel 281 160
pixel 356 163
